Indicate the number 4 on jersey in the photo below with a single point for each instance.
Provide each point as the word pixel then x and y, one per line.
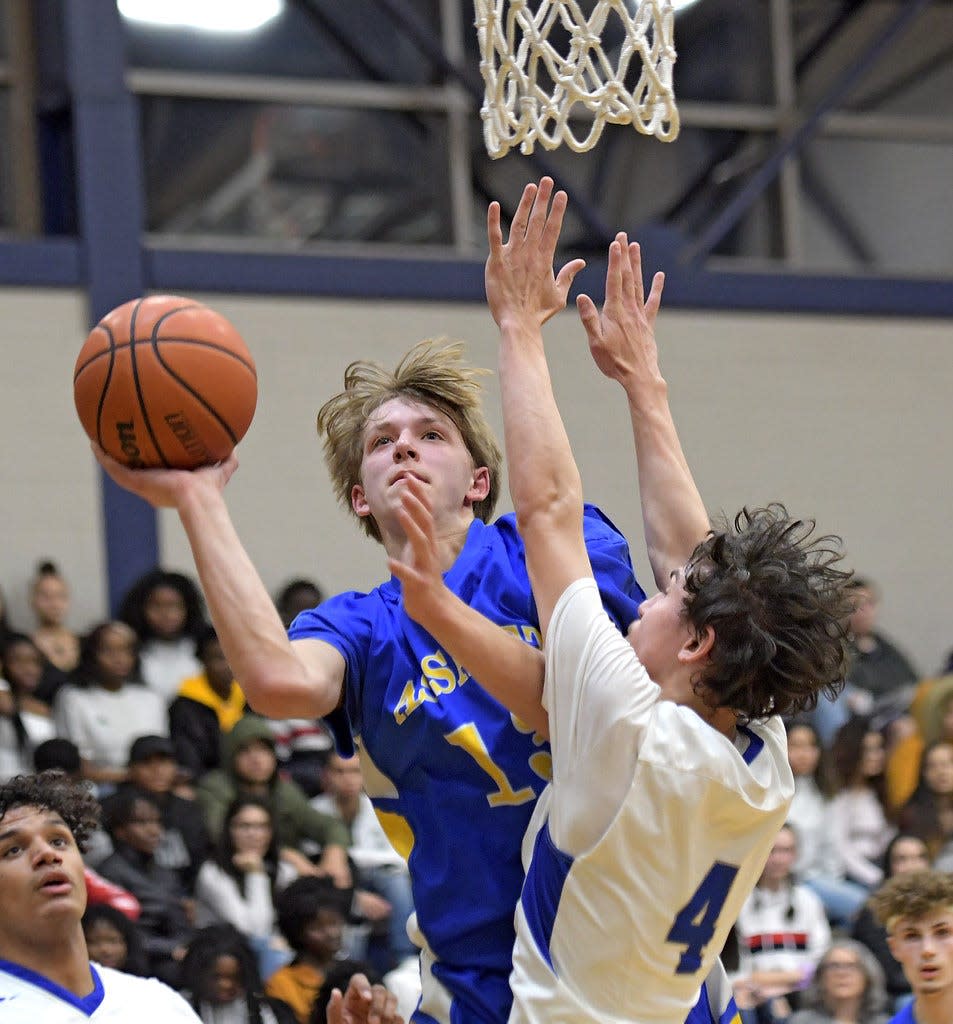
pixel 695 923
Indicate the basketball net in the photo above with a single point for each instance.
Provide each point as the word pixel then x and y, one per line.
pixel 532 88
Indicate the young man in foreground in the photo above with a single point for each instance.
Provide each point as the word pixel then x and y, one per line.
pixel 917 911
pixel 45 971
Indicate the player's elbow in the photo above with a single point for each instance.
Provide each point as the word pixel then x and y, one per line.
pixel 275 695
pixel 550 512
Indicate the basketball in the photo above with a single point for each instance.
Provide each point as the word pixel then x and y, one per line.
pixel 165 381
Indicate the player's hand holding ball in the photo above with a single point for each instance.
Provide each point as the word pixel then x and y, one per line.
pixel 164 382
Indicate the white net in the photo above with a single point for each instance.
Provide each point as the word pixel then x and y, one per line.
pixel 534 83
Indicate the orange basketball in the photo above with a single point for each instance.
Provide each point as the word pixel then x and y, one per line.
pixel 165 381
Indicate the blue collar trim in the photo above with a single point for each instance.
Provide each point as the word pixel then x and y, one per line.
pixel 87 1004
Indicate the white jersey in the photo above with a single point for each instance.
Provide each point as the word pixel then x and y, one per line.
pixel 116 998
pixel 643 849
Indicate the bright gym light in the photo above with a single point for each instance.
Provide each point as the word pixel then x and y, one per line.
pixel 232 16
pixel 682 5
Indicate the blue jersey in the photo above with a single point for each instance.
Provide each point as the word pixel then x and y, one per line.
pixel 453 775
pixel 905 1016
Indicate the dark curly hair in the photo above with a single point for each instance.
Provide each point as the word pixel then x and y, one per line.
pixel 132 607
pixel 54 791
pixel 198 968
pixel 778 606
pixel 303 900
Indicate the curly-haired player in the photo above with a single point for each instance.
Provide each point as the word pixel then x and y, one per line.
pixel 45 971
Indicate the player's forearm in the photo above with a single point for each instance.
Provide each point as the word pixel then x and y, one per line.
pixel 673 513
pixel 252 635
pixel 544 480
pixel 506 667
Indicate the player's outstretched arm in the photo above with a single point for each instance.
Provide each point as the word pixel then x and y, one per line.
pixel 363 1003
pixel 544 480
pixel 280 679
pixel 622 342
pixel 506 667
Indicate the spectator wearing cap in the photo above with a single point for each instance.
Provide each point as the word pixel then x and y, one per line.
pixel 250 768
pixel 206 707
pixel 152 770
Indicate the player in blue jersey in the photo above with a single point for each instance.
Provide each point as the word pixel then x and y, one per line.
pixel 670 771
pixel 453 774
pixel 917 911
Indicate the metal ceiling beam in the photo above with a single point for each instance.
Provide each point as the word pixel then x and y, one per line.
pixel 735 209
pixel 419 32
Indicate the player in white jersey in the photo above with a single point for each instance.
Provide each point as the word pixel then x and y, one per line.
pixel 670 771
pixel 45 973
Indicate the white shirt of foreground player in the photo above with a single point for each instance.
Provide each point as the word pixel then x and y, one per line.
pixel 661 826
pixel 117 999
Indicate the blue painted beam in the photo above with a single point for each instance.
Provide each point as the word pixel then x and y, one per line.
pixel 188 270
pixel 41 262
pixel 109 199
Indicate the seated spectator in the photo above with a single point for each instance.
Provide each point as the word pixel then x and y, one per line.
pixel 49 599
pixel 25 721
pixel 297 596
pixel 818 865
pixel 239 883
pixel 221 981
pixel 380 867
pixel 905 855
pixel 782 933
pixel 929 812
pixel 861 829
pixel 152 769
pixel 250 767
pixel 167 613
pixel 113 940
pixel 877 669
pixel 60 755
pixel 134 823
pixel 302 744
pixel 108 707
pixel 312 913
pixel 206 707
pixel 847 988
pixel 932 713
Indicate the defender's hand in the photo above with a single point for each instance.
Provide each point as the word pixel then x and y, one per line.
pixel 519 274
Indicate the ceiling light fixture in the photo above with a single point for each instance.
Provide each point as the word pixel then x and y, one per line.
pixel 226 16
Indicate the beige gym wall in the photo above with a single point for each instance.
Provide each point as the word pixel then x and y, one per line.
pixel 846 419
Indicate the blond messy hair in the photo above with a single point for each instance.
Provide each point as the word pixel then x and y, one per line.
pixel 913 896
pixel 433 373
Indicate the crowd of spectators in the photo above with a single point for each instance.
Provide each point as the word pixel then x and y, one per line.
pixel 873 799
pixel 237 859
pixel 241 861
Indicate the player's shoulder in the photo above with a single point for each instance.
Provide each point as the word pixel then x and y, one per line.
pixel 143 999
